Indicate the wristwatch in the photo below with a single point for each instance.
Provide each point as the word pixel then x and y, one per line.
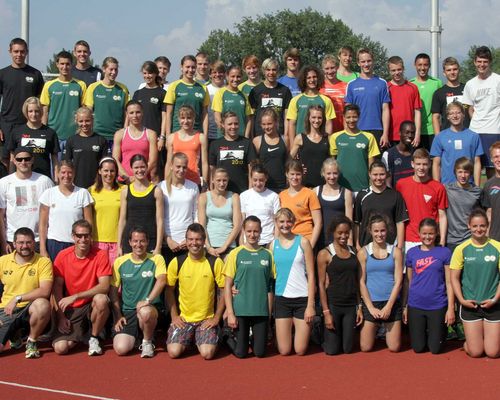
pixel 19 298
pixel 148 300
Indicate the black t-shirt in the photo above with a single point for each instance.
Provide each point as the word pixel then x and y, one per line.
pixel 444 96
pixel 490 198
pixel 85 152
pixel 42 141
pixel 89 75
pixel 398 165
pixel 234 156
pixel 262 97
pixel 389 203
pixel 152 105
pixel 16 85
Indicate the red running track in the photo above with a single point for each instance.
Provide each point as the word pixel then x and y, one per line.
pixel 376 375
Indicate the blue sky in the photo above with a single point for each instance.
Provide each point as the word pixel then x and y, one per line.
pixel 135 31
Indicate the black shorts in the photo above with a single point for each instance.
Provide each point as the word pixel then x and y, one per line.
pixel 287 307
pixel 491 314
pixel 9 324
pixel 132 327
pixel 395 315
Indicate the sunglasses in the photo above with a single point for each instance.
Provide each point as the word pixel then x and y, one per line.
pixel 82 235
pixel 21 159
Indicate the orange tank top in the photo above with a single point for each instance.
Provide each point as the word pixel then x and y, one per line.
pixel 192 149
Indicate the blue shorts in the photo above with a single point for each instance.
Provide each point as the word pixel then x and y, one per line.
pixel 487 139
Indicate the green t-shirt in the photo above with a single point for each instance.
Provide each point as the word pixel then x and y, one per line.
pixel 180 93
pixel 347 78
pixel 246 87
pixel 253 273
pixel 137 279
pixel 63 99
pixel 352 152
pixel 297 109
pixel 480 269
pixel 426 90
pixel 108 103
pixel 227 100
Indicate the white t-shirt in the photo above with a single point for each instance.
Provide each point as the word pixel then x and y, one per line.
pixel 64 211
pixel 19 197
pixel 180 209
pixel 262 205
pixel 484 96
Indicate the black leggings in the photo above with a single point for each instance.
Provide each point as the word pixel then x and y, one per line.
pixel 427 329
pixel 341 338
pixel 259 327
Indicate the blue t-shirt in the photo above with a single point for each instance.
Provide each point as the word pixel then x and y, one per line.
pixel 291 83
pixel 428 284
pixel 369 95
pixel 450 146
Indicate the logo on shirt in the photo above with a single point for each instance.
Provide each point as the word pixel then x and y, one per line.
pixel 424 263
pixel 153 100
pixel 199 95
pixel 73 93
pixel 117 97
pixel 100 96
pixel 360 145
pixel 489 258
pixel 32 272
pixel 29 79
pixel 427 198
pixel 270 150
pixel 96 148
pixel 147 274
pixel 398 161
pixel 242 102
pixel 264 263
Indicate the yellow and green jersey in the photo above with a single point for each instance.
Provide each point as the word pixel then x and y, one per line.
pixel 227 100
pixel 297 109
pixel 63 99
pixel 246 87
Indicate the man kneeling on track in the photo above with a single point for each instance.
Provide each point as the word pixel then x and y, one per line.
pixel 27 282
pixel 141 277
pixel 196 277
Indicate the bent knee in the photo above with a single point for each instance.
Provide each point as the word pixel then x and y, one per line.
pixel 100 301
pixel 61 347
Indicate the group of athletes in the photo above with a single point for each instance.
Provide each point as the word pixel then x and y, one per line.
pixel 306 207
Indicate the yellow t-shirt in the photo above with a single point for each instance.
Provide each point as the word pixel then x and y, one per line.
pixel 21 279
pixel 106 214
pixel 196 286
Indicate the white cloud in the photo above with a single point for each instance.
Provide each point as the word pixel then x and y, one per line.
pixel 88 26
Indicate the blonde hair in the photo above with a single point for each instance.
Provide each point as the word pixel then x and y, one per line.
pixel 27 102
pixel 168 179
pixel 285 212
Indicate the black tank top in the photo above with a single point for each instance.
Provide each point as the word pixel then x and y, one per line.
pixel 312 156
pixel 343 278
pixel 330 208
pixel 274 157
pixel 141 211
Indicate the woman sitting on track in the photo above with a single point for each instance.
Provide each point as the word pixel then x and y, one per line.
pixel 295 286
pixel 430 304
pixel 250 268
pixel 380 285
pixel 338 276
pixel 476 282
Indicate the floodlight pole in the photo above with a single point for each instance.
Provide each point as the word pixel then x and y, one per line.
pixel 25 22
pixel 435 29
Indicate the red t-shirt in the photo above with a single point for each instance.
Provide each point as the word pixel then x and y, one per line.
pixel 336 93
pixel 423 200
pixel 405 99
pixel 81 274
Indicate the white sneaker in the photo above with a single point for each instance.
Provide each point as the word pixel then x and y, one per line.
pixel 94 347
pixel 147 349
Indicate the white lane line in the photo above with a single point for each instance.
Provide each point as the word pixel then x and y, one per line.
pixel 88 396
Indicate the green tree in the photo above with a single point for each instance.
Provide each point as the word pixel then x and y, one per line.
pixel 52 67
pixel 468 70
pixel 270 35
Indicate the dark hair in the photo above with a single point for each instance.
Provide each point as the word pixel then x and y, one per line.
pixel 138 229
pixel 428 222
pixel 24 231
pixel 163 60
pixel 478 212
pixel 234 66
pixel 256 167
pixel 375 219
pixel 66 55
pixel 294 165
pixel 252 218
pixel 395 60
pixel 292 52
pixel 138 157
pixel 152 68
pixel 302 79
pixel 307 123
pixel 352 107
pixel 483 52
pixel 82 43
pixel 345 49
pixel 188 57
pixel 338 220
pixel 81 223
pixel 425 56
pixel 463 163
pixel 406 122
pixel 133 103
pixel 197 228
pixel 18 41
pixel 98 185
pixel 377 164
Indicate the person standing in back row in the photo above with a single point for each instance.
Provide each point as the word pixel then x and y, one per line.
pixel 83 70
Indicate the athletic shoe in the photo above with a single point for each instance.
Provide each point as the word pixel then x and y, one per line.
pixel 16 341
pixel 32 350
pixel 147 349
pixel 94 347
pixel 451 334
pixel 381 332
pixel 459 328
